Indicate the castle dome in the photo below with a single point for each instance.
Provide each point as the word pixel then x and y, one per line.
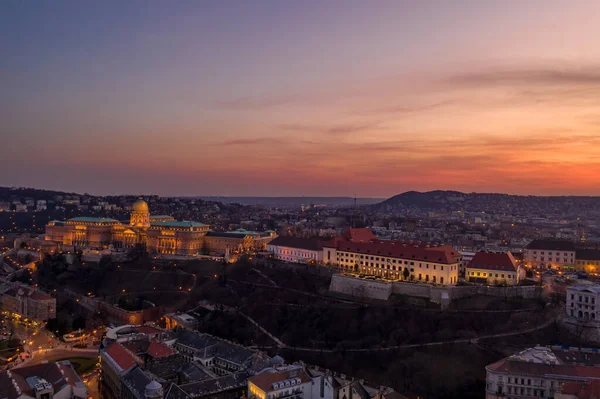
pixel 140 206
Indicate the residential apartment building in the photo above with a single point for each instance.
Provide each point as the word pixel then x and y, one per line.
pixel 539 372
pixel 582 302
pixel 328 384
pixel 56 380
pixel 115 362
pixel 218 355
pixel 297 249
pixel 290 382
pixel 395 260
pixel 494 268
pixel 29 302
pixel 192 365
pixel 588 260
pixel 550 254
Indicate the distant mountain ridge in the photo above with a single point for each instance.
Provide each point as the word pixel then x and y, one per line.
pixel 340 201
pixel 456 200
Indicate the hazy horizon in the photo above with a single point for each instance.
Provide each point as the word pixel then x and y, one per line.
pixel 270 98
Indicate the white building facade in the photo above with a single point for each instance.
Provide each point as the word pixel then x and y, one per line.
pixel 582 302
pixel 550 254
pixel 296 249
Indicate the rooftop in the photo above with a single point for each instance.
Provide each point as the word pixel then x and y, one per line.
pixel 313 244
pixel 551 245
pixel 493 261
pixel 89 219
pixel 18 381
pixel 594 289
pixel 215 347
pixel 179 224
pixel 564 362
pixel 120 356
pixel 159 350
pixel 137 380
pixel 214 385
pixel 267 379
pixel 588 254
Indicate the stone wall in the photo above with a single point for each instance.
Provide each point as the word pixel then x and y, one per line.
pixel 360 288
pixel 438 294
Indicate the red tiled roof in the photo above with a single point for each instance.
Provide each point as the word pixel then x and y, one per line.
pixel 403 250
pixel 361 234
pixel 493 261
pixel 541 369
pixel 582 390
pixel 159 350
pixel 266 379
pixel 121 356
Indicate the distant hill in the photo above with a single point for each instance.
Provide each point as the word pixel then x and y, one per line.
pixel 430 199
pixel 293 201
pixel 490 202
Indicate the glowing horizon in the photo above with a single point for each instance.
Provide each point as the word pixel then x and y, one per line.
pixel 306 98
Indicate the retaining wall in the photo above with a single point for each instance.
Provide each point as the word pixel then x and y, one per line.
pixel 382 290
pixel 360 288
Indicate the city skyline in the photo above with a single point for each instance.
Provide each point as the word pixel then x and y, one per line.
pixel 291 99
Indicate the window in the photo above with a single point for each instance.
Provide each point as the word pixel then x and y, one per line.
pixel 442 268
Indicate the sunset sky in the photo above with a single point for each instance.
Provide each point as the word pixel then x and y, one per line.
pixel 290 98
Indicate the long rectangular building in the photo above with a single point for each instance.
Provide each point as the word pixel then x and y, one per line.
pixel 540 372
pixel 395 260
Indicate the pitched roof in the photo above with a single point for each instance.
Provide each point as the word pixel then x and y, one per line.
pixel 22 380
pixel 88 219
pixel 493 261
pixel 178 224
pixel 122 357
pixel 137 380
pixel 551 245
pixel 403 250
pixel 268 377
pixel 581 389
pixel 215 385
pixel 360 234
pixel 313 244
pixel 588 254
pixel 159 350
pixel 174 392
pixel 558 371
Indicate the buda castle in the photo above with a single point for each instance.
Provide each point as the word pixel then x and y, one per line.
pixel 158 234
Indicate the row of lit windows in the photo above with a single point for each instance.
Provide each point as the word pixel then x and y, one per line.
pixel 558 253
pixel 490 275
pixel 342 259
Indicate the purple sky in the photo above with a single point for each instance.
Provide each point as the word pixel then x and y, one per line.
pixel 300 97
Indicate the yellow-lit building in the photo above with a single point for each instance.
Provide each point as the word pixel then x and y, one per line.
pixel 158 234
pixel 588 260
pixel 494 268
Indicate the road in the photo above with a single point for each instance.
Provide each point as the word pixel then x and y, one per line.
pixel 34 336
pixel 281 344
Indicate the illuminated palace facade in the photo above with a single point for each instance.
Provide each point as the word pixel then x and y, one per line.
pixel 158 234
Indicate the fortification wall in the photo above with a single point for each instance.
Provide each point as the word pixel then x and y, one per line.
pixel 360 288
